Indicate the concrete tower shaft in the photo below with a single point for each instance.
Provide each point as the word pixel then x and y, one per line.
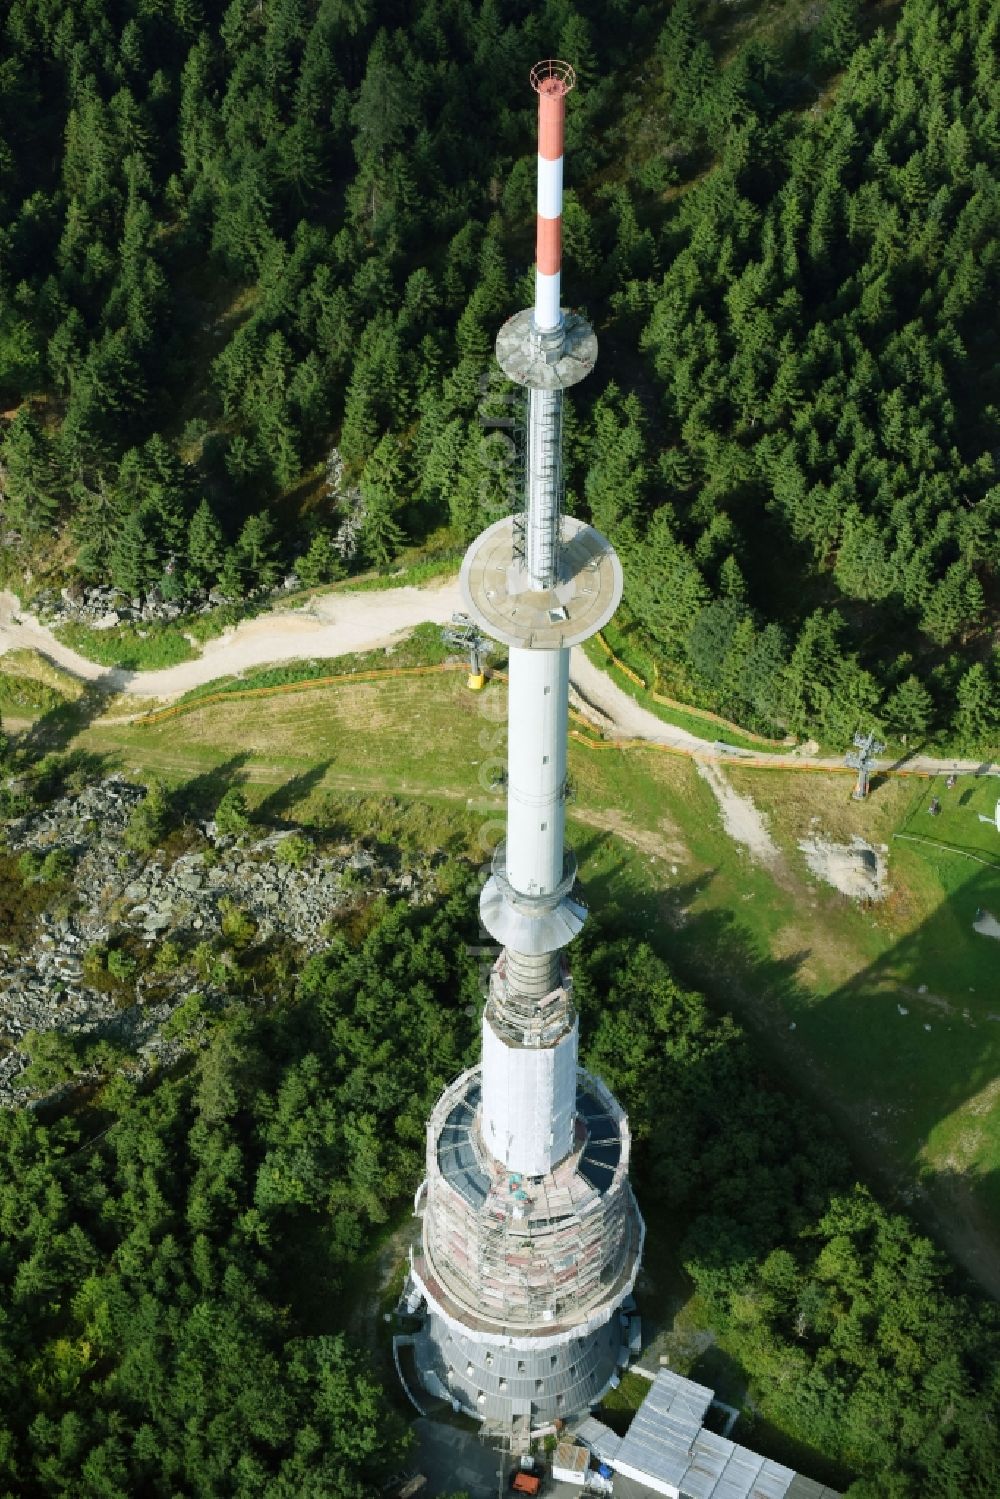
pixel 538 696
pixel 531 1235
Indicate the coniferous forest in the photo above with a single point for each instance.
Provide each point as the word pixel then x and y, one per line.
pixel 234 237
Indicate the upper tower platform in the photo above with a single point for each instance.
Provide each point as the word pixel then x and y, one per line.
pixel 498 592
pixel 546 359
pixel 547 582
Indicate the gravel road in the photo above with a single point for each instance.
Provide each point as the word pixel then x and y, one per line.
pixel 333 624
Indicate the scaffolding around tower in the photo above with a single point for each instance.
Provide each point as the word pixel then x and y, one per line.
pixel 527 1258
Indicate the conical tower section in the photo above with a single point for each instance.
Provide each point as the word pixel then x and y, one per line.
pixel 531 1237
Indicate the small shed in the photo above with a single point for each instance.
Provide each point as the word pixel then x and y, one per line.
pixel 570 1464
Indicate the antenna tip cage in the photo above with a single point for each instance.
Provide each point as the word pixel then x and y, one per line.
pixel 553 77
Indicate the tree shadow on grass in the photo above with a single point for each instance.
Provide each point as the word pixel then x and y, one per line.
pixel 55 729
pixel 920 1029
pixel 708 948
pixel 280 803
pixel 198 797
pixel 904 1055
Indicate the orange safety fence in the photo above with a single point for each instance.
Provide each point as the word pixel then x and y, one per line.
pixel 724 723
pixel 751 762
pixel 679 707
pixel 633 676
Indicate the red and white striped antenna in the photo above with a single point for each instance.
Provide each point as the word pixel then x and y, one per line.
pixel 552 81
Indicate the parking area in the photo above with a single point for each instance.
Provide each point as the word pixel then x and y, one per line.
pixel 458 1462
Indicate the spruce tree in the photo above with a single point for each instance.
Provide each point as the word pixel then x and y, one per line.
pixel 205 546
pixel 133 561
pixel 909 708
pixel 977 721
pixel 257 551
pixel 381 485
pixel 320 563
pixel 27 477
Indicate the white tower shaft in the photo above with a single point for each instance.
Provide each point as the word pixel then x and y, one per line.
pixel 529 1101
pixel 538 691
pixel 530 1033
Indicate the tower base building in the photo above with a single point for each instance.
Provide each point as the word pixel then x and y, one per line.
pixel 524 1277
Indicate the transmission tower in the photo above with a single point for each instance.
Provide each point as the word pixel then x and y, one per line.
pixel 531 1236
pixel 866 751
pixel 466 636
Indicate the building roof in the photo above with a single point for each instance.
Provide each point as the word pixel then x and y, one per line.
pixel 721 1469
pixel 571 1458
pixel 668 1446
pixel 602 1441
pixel 664 1429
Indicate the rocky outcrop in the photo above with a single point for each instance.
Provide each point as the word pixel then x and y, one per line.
pixel 119 894
pixel 104 608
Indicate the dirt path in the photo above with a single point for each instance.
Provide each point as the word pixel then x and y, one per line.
pixel 740 818
pixel 625 716
pixel 333 624
pixel 622 715
pixel 339 623
pixel 22 631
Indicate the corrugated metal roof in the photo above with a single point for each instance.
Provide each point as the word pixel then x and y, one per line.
pixel 668 1443
pixel 664 1429
pixel 602 1441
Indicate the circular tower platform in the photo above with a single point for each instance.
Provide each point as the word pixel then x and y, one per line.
pixel 551 360
pixel 497 591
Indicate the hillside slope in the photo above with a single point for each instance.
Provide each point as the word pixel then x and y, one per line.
pixel 268 228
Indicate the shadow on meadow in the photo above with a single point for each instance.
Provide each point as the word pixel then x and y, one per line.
pixel 278 805
pixel 199 796
pixel 905 1056
pixel 56 728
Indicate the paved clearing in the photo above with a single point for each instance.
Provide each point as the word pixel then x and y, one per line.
pixel 986 925
pixel 855 869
